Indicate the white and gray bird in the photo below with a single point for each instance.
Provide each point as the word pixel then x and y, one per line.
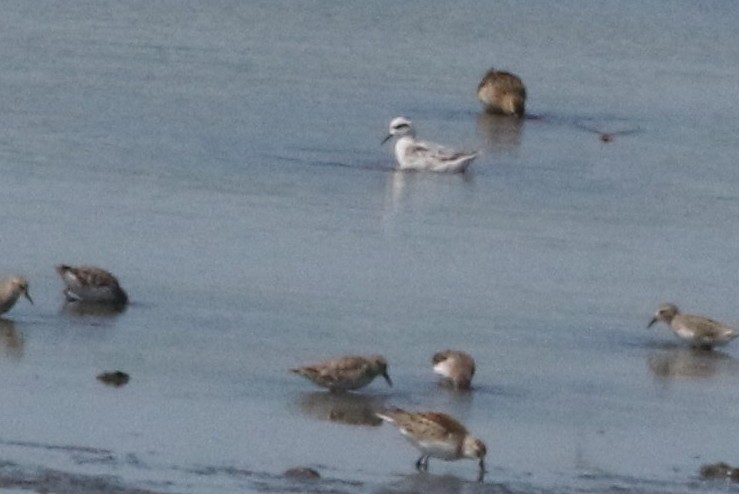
pixel 91 284
pixel 700 331
pixel 414 154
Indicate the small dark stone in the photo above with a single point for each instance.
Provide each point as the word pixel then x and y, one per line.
pixel 115 378
pixel 302 473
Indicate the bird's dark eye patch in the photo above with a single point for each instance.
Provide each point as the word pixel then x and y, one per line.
pixel 401 126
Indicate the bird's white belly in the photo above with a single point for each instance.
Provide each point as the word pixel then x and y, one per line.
pixel 685 333
pixel 442 368
pixel 442 450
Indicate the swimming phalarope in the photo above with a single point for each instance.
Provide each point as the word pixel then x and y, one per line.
pixel 413 154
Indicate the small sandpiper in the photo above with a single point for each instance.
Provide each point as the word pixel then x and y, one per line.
pixel 437 435
pixel 503 93
pixel 700 331
pixel 10 291
pixel 416 155
pixel 91 284
pixel 346 373
pixel 456 367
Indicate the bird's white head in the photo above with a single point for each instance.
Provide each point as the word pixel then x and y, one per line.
pixel 399 126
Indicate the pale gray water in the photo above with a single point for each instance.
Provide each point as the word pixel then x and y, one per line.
pixel 223 159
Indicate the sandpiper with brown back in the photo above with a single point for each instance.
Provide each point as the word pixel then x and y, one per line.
pixel 437 435
pixel 346 373
pixel 502 93
pixel 456 367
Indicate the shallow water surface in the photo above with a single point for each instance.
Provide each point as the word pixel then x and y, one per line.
pixel 223 160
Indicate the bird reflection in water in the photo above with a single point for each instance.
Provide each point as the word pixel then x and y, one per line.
pixel 85 308
pixel 606 137
pixel 682 362
pixel 429 483
pixel 499 133
pixel 345 408
pixel 11 340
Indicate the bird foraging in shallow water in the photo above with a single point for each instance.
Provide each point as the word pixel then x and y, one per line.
pixel 416 155
pixel 436 435
pixel 91 284
pixel 700 331
pixel 455 366
pixel 346 373
pixel 10 291
pixel 502 92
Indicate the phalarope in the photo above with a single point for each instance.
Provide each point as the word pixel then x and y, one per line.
pixel 413 154
pixel 502 92
pixel 700 331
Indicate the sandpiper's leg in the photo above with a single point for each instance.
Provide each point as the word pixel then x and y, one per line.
pixel 481 476
pixel 422 465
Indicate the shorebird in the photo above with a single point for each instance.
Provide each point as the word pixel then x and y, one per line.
pixel 700 331
pixel 413 154
pixel 455 366
pixel 91 284
pixel 10 291
pixel 346 373
pixel 436 435
pixel 502 92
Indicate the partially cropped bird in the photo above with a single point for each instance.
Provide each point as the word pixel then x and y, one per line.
pixel 10 291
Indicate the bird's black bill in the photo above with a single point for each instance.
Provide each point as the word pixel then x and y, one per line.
pixel 651 323
pixel 387 378
pixel 28 297
pixel 386 139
